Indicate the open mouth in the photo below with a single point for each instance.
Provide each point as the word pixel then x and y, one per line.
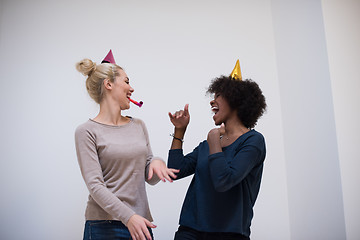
pixel 215 109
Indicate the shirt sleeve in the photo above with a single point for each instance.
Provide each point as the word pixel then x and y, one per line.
pixel 226 174
pixel 186 164
pixel 150 157
pixel 91 171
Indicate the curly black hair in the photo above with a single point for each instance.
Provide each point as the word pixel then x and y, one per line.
pixel 243 96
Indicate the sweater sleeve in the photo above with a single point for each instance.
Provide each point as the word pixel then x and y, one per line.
pixel 186 164
pixel 85 143
pixel 226 174
pixel 150 157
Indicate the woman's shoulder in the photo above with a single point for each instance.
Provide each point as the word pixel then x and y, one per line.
pixel 253 137
pixel 137 121
pixel 256 134
pixel 87 126
pixel 202 146
pixel 85 130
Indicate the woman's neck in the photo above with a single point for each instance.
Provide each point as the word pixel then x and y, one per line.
pixel 110 115
pixel 234 128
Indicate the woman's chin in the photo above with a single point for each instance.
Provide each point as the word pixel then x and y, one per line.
pixel 125 107
pixel 216 121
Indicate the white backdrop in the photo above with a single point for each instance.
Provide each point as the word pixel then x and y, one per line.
pixel 170 50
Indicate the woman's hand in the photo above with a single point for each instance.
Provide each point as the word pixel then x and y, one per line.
pixel 138 227
pixel 213 139
pixel 159 168
pixel 180 119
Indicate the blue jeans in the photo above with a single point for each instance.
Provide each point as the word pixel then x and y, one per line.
pixel 107 230
pixel 186 233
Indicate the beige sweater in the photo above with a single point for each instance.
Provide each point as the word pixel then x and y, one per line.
pixel 114 162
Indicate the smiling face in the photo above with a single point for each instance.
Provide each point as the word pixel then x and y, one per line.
pixel 121 89
pixel 221 109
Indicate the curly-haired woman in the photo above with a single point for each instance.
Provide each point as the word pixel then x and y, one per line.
pixel 227 167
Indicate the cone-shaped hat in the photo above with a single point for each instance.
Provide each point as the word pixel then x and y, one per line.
pixel 236 73
pixel 109 58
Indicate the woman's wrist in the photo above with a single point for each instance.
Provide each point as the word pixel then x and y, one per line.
pixel 179 132
pixel 178 138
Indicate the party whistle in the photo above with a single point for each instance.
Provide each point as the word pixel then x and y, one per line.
pixel 136 103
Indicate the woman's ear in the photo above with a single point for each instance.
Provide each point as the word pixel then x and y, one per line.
pixel 107 84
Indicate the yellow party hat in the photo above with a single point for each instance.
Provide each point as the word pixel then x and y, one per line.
pixel 236 73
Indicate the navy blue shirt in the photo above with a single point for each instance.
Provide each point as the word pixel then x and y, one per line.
pixel 225 185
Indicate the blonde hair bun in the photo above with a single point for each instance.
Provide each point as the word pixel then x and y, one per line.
pixel 86 67
pixel 96 75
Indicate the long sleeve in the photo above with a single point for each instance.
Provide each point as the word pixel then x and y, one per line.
pixel 186 164
pixel 114 163
pixel 224 186
pixel 155 179
pixel 93 176
pixel 226 174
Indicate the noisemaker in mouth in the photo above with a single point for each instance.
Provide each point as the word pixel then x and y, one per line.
pixel 136 103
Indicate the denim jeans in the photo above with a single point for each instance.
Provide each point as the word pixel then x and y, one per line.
pixel 107 230
pixel 186 233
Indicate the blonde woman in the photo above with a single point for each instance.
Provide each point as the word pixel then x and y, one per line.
pixel 115 158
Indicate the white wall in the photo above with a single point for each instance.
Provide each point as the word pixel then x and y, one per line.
pixel 342 20
pixel 312 164
pixel 171 51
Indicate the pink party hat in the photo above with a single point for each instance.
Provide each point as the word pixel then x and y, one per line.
pixel 109 58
